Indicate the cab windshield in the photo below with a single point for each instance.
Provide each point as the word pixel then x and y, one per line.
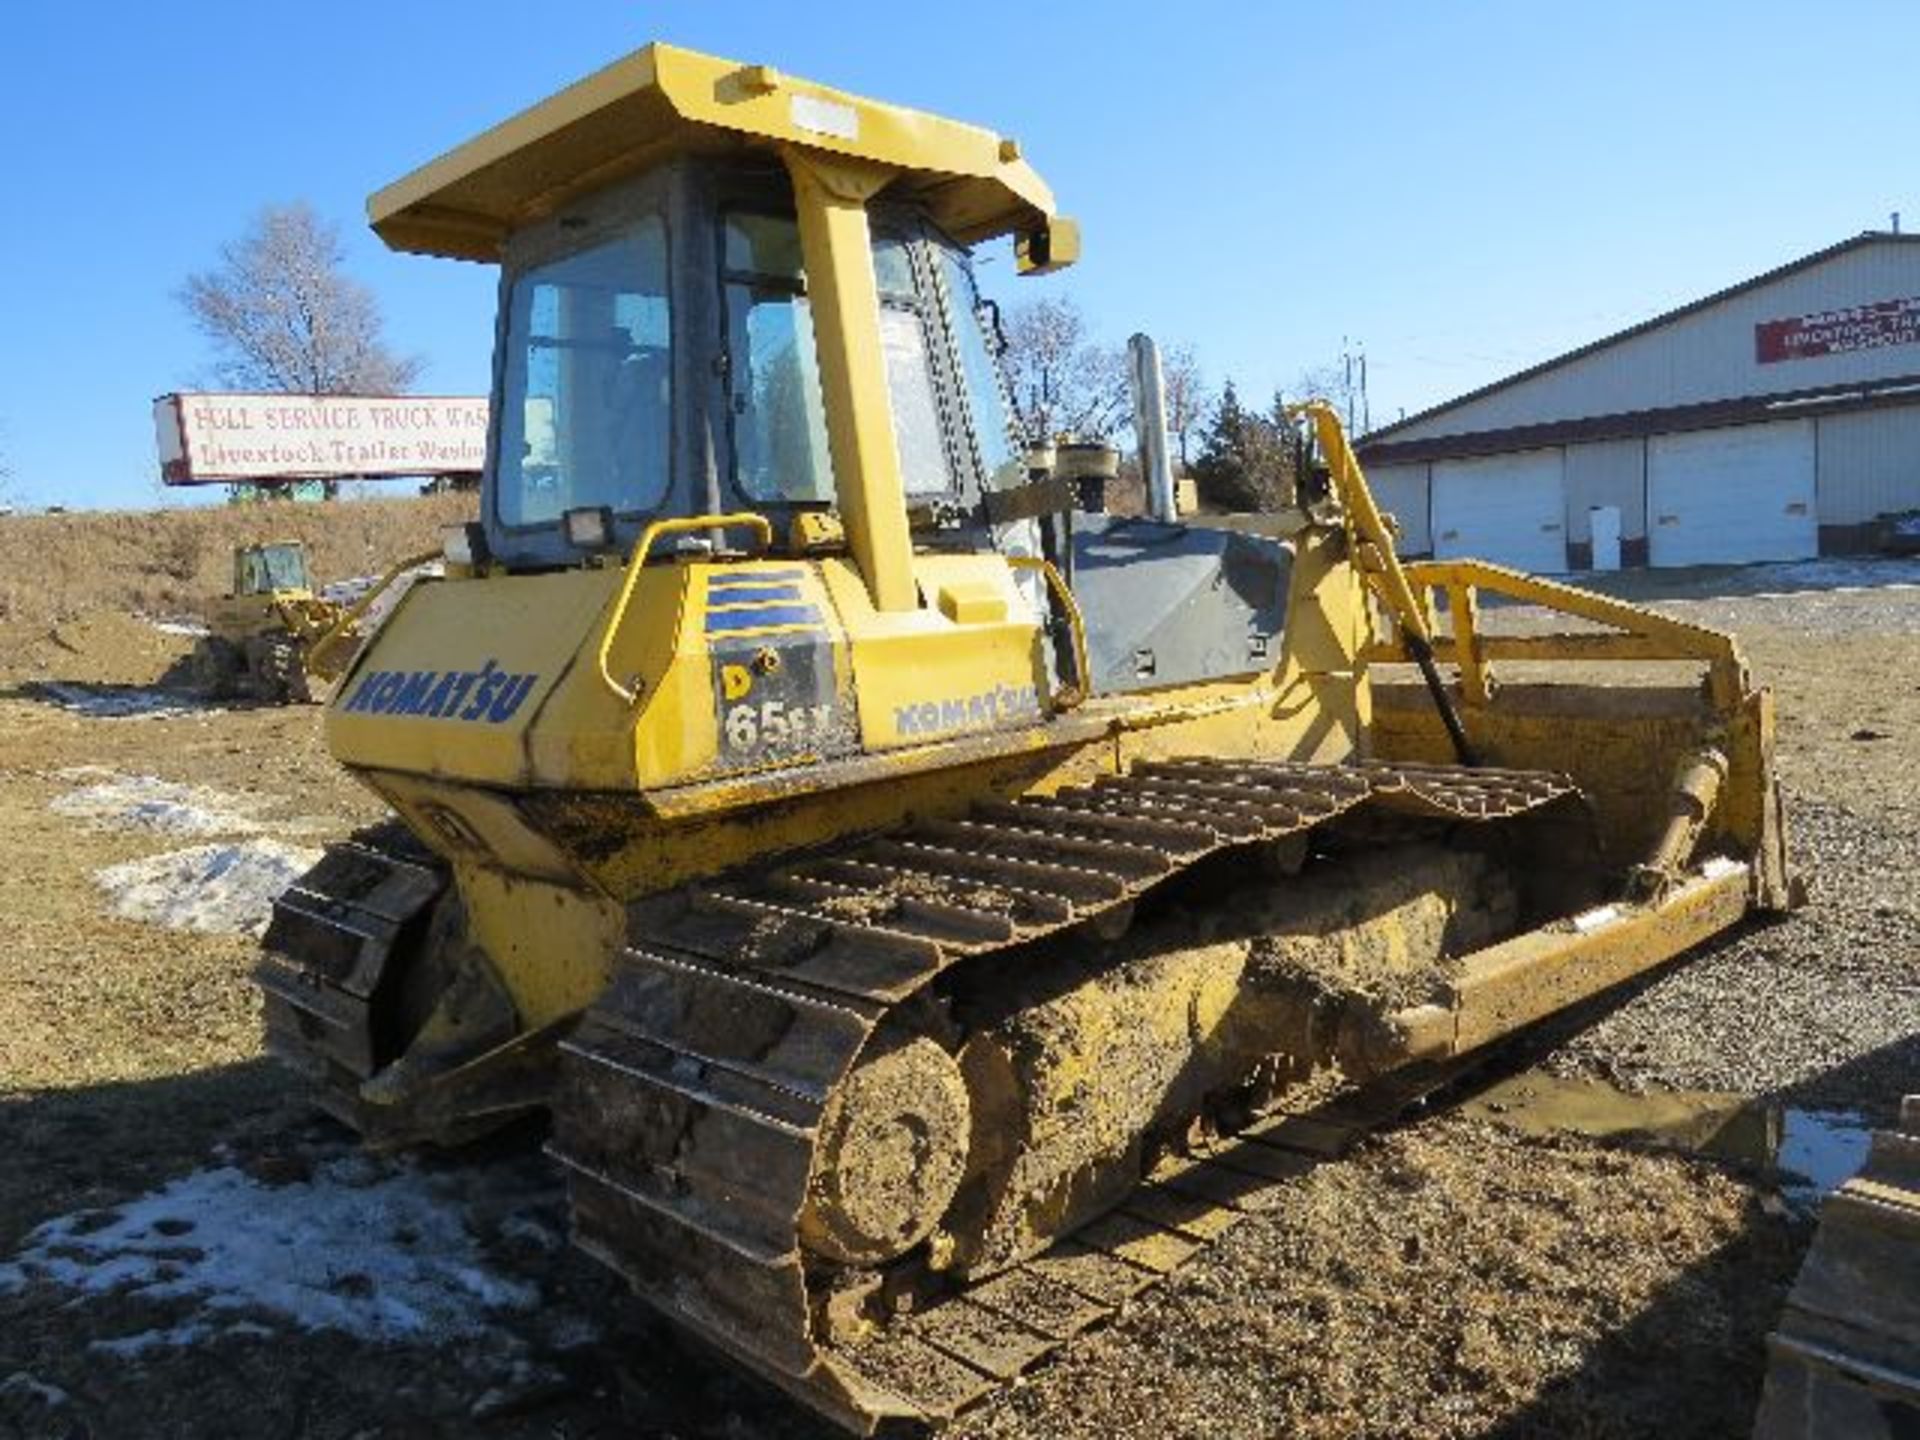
pixel 272 567
pixel 585 418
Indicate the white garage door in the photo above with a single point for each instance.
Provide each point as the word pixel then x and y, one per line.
pixel 1510 509
pixel 1401 491
pixel 1727 497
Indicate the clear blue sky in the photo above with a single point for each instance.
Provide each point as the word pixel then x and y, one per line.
pixel 1465 188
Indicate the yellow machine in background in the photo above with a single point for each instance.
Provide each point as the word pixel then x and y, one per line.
pixel 259 632
pixel 877 877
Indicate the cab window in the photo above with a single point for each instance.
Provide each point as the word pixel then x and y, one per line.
pixel 774 401
pixel 586 399
pixel 773 381
pixel 1002 461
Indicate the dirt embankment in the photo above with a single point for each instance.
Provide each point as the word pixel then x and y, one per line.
pixel 166 562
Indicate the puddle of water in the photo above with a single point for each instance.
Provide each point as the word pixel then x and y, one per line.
pixel 1814 1151
pixel 1824 1147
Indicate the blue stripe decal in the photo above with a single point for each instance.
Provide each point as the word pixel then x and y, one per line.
pixel 721 578
pixel 762 617
pixel 756 595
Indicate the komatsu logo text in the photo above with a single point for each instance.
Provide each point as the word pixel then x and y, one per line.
pixel 488 694
pixel 968 712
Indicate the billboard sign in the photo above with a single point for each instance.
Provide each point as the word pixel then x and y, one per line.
pixel 228 439
pixel 1873 326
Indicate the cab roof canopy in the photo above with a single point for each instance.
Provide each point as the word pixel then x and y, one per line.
pixel 663 101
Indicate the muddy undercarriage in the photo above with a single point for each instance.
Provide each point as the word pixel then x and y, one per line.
pixel 919 1074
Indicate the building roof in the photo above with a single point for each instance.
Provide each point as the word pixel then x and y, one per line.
pixel 1384 435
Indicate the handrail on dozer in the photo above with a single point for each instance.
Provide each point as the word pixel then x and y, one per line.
pixel 636 562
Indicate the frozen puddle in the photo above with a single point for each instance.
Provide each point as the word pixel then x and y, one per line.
pixel 209 888
pixel 119 702
pixel 143 802
pixel 1821 1149
pixel 377 1250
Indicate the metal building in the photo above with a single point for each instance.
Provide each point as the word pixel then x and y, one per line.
pixel 1775 420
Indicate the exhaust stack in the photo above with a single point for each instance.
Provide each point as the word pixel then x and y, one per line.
pixel 1150 426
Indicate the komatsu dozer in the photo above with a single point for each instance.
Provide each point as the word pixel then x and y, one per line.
pixel 923 908
pixel 259 632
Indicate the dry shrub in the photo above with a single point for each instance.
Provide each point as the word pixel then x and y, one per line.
pixel 181 554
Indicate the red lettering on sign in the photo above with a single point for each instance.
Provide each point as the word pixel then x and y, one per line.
pixel 1839 332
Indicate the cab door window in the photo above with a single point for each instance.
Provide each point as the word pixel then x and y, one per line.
pixel 587 413
pixel 1002 461
pixel 775 411
pixel 904 337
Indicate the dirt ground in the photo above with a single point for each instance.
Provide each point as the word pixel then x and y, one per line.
pixel 1457 1277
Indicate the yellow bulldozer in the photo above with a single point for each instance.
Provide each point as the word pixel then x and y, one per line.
pixel 927 910
pixel 260 631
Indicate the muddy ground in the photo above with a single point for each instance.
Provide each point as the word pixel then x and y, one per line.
pixel 1461 1276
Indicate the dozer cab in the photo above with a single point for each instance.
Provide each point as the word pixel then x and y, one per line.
pixel 258 633
pixel 916 950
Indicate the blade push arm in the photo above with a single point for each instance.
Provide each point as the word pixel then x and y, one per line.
pixel 1382 567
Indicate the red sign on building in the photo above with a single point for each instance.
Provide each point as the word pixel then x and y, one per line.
pixel 1837 332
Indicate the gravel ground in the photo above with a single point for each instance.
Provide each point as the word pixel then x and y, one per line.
pixel 1820 1009
pixel 1451 1281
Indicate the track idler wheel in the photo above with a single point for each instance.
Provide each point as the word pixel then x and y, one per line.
pixel 891 1154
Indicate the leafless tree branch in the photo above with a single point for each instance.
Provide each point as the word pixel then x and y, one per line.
pixel 1187 396
pixel 284 317
pixel 1062 382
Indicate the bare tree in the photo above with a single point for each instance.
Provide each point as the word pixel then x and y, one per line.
pixel 1062 382
pixel 1187 396
pixel 284 317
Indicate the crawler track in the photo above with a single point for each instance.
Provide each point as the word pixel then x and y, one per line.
pixel 327 967
pixel 691 1094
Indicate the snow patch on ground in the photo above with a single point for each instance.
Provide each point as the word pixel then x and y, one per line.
pixel 22 1386
pixel 1835 573
pixel 380 1251
pixel 119 702
pixel 131 1347
pixel 194 628
pixel 144 802
pixel 209 888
